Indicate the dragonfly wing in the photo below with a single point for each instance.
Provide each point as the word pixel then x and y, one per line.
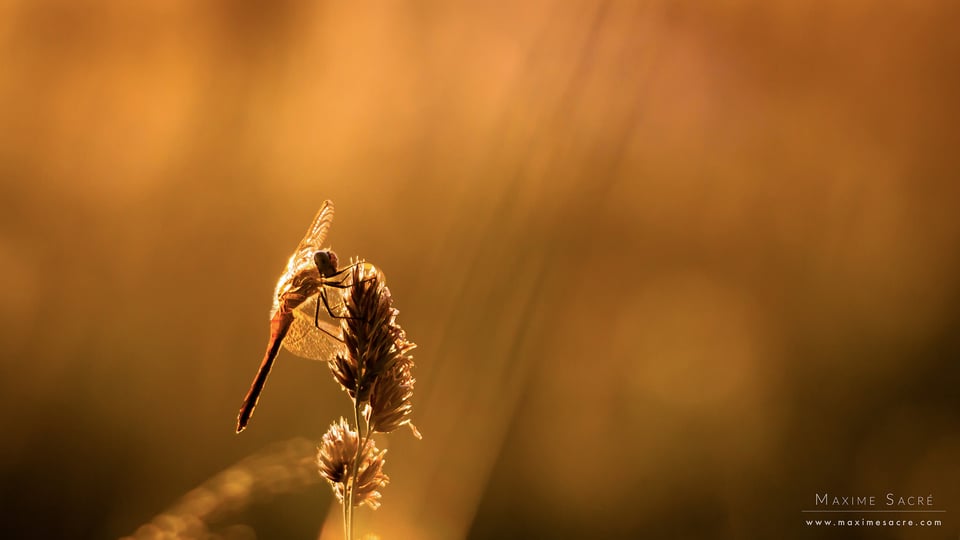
pixel 302 258
pixel 317 232
pixel 306 340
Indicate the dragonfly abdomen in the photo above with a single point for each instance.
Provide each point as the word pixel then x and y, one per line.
pixel 279 326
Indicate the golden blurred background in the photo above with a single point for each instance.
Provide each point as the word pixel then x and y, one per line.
pixel 674 267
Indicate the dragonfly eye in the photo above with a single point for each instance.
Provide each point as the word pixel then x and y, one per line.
pixel 326 262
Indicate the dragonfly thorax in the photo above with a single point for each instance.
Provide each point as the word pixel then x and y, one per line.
pixel 326 261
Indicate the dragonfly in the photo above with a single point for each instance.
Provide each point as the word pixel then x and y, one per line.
pixel 294 320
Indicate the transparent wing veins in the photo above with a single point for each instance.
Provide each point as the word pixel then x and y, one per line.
pixel 307 341
pixel 302 258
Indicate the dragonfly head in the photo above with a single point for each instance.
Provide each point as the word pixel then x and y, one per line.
pixel 326 261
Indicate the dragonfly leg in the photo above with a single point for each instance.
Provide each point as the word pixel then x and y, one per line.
pixel 337 280
pixel 326 304
pixel 316 316
pixel 329 333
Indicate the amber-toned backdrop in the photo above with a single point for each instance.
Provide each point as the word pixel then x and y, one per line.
pixel 673 267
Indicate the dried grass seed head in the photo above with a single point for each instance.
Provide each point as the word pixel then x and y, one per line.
pixel 374 341
pixel 335 458
pixel 336 452
pixel 390 401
